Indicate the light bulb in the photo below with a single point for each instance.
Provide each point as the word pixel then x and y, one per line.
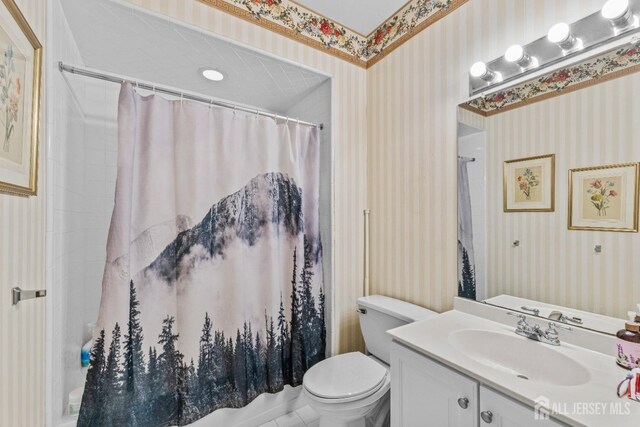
pixel 478 69
pixel 559 33
pixel 615 9
pixel 619 14
pixel 514 54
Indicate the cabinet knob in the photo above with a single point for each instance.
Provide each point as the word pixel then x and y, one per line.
pixel 487 416
pixel 463 402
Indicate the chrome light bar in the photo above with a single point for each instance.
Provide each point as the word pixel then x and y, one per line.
pixel 617 19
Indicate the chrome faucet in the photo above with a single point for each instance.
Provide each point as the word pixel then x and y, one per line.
pixel 534 332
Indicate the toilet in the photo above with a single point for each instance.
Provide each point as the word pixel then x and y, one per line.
pixel 344 390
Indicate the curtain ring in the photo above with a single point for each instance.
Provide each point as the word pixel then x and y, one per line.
pixel 181 97
pixel 211 103
pixel 257 111
pixel 297 121
pixel 287 122
pixel 234 109
pixel 154 89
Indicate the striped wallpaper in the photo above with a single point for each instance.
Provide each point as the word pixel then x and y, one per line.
pixel 412 96
pixel 22 264
pixel 591 127
pixel 349 141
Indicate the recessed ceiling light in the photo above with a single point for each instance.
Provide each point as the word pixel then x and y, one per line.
pixel 213 75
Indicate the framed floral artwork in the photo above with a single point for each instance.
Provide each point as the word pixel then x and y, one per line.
pixel 604 198
pixel 529 184
pixel 20 70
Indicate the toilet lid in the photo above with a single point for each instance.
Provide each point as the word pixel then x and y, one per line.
pixel 345 376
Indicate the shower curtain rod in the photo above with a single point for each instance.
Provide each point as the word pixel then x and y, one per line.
pixel 182 95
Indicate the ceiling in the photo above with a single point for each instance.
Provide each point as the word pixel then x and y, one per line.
pixel 116 38
pixel 362 16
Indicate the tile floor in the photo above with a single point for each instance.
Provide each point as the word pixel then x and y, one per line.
pixel 303 417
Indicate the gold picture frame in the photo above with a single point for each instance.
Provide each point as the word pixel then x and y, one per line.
pixel 529 184
pixel 604 198
pixel 20 86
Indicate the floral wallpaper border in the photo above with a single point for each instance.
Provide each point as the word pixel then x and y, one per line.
pixel 615 63
pixel 292 20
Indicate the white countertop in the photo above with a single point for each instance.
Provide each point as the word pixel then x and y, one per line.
pixel 431 338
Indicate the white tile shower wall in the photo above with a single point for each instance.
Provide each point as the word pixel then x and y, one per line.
pixel 64 269
pixel 316 108
pixel 100 104
pixel 81 165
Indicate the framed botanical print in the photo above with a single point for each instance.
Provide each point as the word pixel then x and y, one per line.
pixel 529 184
pixel 20 70
pixel 604 198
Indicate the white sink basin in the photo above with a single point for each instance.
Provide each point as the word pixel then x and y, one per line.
pixel 524 358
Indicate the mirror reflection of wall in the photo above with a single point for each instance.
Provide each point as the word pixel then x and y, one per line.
pixel 472 243
pixel 534 255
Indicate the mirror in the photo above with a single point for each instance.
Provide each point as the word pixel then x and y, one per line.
pixel 548 194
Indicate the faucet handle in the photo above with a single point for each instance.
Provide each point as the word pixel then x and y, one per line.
pixel 522 320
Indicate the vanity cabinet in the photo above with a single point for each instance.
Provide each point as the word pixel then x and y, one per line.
pixel 425 393
pixel 505 412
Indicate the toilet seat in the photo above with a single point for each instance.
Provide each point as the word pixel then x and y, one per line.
pixel 345 378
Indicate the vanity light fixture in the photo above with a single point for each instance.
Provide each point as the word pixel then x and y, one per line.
pixel 619 14
pixel 517 55
pixel 561 35
pixel 616 20
pixel 213 75
pixel 480 70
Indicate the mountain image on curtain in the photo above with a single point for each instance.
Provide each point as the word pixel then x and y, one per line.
pixel 466 259
pixel 213 289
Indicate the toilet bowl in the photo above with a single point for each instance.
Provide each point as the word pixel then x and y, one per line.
pixel 344 389
pixel 348 389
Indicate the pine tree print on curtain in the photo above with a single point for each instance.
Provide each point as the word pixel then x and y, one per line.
pixel 213 288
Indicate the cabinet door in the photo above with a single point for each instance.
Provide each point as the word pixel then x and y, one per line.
pixel 424 393
pixel 508 413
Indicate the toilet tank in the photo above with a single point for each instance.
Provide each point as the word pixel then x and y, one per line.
pixel 378 314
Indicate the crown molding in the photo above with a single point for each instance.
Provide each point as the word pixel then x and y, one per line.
pixel 291 20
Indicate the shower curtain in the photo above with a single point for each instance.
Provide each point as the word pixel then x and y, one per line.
pixel 213 289
pixel 466 261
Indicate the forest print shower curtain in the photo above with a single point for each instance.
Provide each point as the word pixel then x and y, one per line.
pixel 212 291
